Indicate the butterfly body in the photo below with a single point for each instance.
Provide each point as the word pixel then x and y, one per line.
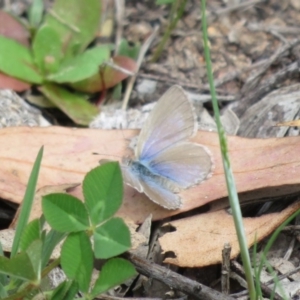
pixel 165 162
pixel 146 173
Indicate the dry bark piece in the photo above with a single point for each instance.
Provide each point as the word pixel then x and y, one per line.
pixel 262 167
pixel 280 105
pixel 198 241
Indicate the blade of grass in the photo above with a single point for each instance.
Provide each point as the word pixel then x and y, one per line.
pixel 270 243
pixel 176 13
pixel 27 202
pixel 231 187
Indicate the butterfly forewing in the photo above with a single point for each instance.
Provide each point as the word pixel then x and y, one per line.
pixel 172 120
pixel 185 164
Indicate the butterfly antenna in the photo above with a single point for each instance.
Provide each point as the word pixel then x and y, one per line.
pixel 96 153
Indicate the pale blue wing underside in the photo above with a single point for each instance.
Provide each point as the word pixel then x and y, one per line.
pixel 171 121
pixel 186 164
pixel 165 161
pixel 131 178
pixel 160 195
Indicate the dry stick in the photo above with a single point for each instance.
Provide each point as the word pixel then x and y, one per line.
pixel 142 54
pixel 283 276
pixel 174 280
pixel 225 268
pixel 218 82
pixel 291 228
pixel 265 289
pixel 252 81
pixel 238 6
pixel 170 81
pixel 271 281
pixel 266 86
pixel 290 249
pixel 107 297
pixel 120 9
pixel 271 28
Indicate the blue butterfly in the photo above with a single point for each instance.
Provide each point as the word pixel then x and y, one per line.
pixel 165 161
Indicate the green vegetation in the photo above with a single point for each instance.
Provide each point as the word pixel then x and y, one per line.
pixel 56 57
pixel 86 229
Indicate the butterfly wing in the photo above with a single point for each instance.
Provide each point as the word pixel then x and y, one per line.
pixel 171 121
pixel 154 190
pixel 131 178
pixel 185 164
pixel 160 195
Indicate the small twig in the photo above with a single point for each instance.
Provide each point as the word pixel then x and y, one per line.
pixel 266 86
pixel 107 297
pixel 242 282
pixel 283 276
pixel 170 81
pixel 264 287
pixel 225 269
pixel 142 54
pixel 238 6
pixel 272 28
pixel 120 9
pixel 252 80
pixel 290 249
pixel 174 280
pixel 291 228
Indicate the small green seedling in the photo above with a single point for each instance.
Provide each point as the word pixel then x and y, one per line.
pixel 56 57
pixel 87 229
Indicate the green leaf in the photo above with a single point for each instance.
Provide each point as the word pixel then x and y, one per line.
pixel 103 191
pixel 35 13
pixel 114 272
pixel 3 278
pixel 117 92
pixel 34 252
pixel 111 239
pixel 77 259
pixel 31 233
pixel 16 61
pixel 67 290
pixel 107 77
pixel 3 292
pixel 76 22
pixel 47 50
pixel 76 107
pixel 65 213
pixel 81 66
pixel 52 239
pixel 127 50
pixel 19 266
pixel 162 2
pixel 27 202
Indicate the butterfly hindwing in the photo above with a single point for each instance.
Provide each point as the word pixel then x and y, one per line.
pixel 143 184
pixel 186 164
pixel 160 195
pixel 131 178
pixel 171 121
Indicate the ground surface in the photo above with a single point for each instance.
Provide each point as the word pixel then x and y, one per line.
pixel 254 49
